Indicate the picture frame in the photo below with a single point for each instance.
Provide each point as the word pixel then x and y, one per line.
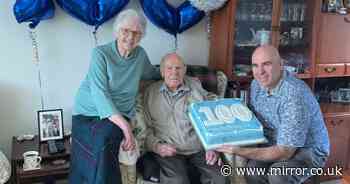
pixel 346 4
pixel 342 95
pixel 334 5
pixel 50 124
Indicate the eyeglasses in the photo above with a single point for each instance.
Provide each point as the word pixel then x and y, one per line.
pixel 127 32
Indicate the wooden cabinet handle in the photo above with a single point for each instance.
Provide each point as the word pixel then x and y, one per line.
pixel 346 19
pixel 336 123
pixel 275 28
pixel 330 69
pixel 339 122
pixel 333 123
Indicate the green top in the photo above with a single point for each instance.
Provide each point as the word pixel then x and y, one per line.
pixel 111 84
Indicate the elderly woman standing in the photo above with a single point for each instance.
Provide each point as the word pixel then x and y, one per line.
pixel 105 103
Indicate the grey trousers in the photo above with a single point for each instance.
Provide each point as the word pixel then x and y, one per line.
pixel 288 172
pixel 174 170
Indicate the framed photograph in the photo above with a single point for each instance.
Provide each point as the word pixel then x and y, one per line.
pixel 344 94
pixel 347 4
pixel 334 5
pixel 50 123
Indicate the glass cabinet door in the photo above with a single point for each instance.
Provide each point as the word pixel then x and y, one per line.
pixel 252 27
pixel 296 35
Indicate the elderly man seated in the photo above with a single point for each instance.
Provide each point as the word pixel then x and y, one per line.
pixel 170 133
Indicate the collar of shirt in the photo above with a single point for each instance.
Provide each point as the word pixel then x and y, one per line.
pixel 122 59
pixel 275 90
pixel 181 90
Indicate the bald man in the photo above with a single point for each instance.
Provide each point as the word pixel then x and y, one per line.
pixel 170 133
pixel 293 124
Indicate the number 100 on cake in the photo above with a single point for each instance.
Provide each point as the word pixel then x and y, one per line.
pixel 225 121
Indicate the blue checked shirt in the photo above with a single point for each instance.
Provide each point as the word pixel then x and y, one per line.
pixel 291 115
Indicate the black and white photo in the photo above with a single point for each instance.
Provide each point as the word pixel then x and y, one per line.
pixel 50 124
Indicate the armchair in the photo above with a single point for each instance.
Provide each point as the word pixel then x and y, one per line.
pixel 212 80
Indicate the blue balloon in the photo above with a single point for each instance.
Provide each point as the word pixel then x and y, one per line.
pixel 189 16
pixel 33 11
pixel 92 12
pixel 161 14
pixel 172 20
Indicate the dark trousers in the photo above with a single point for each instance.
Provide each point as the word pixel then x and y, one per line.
pixel 288 172
pixel 174 169
pixel 94 152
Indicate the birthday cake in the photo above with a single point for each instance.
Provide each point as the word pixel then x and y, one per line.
pixel 225 121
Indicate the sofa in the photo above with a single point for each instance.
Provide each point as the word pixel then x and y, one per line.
pixel 213 81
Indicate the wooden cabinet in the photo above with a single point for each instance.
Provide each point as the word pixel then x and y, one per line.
pixel 221 40
pixel 338 126
pixel 330 70
pixel 333 56
pixel 334 39
pixel 49 172
pixel 317 43
pixel 242 25
pixel 347 69
pixel 333 60
pixel 338 129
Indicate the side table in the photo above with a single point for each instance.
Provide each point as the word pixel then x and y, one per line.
pixel 48 170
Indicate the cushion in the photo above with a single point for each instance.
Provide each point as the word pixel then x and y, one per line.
pixel 149 167
pixel 5 168
pixel 206 75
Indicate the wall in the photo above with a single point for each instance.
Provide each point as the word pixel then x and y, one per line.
pixel 64 49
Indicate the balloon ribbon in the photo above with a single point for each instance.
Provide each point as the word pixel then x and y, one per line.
pixel 36 60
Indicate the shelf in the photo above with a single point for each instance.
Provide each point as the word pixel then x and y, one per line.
pixel 304 75
pixel 47 168
pixel 247 49
pixel 241 79
pixel 244 79
pixel 249 46
pixel 335 109
pixel 290 24
pixel 333 14
pixel 302 46
pixel 254 22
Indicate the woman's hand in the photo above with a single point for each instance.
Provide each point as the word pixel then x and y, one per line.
pixel 128 142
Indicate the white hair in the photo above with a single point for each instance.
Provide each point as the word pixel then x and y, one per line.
pixel 125 16
pixel 166 57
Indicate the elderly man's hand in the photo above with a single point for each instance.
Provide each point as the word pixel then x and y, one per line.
pixel 165 150
pixel 212 157
pixel 228 149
